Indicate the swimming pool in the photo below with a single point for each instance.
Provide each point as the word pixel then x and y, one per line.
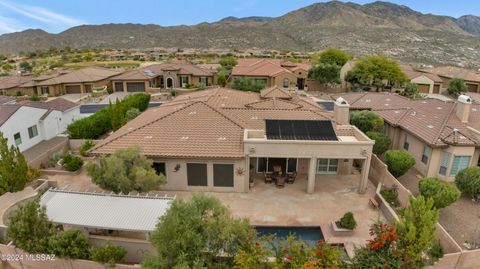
pixel 310 235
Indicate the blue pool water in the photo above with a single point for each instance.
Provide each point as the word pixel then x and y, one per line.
pixel 310 235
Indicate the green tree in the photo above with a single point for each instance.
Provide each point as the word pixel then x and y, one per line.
pixel 14 170
pixel 325 74
pixel 222 76
pixel 109 254
pixel 468 181
pixel 367 121
pixel 193 233
pixel 124 171
pixel 398 162
pixel 416 230
pixel 457 87
pixel 332 56
pixel 29 228
pixel 411 91
pixel 117 115
pixel 228 62
pixel 25 66
pixel 248 84
pixel 377 70
pixel 7 67
pixel 382 142
pixel 72 244
pixel 443 193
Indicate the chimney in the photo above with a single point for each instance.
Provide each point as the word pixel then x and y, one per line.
pixel 341 110
pixel 464 104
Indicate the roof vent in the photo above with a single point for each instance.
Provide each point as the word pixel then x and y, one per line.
pixel 222 138
pixel 430 126
pixel 192 113
pixel 368 101
pixel 254 118
pixel 149 73
pixel 439 107
pixel 148 137
pixel 184 137
pixel 464 99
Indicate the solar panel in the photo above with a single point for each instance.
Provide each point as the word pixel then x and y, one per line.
pixel 327 105
pixel 300 130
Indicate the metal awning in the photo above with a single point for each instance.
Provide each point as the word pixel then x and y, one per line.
pixel 105 211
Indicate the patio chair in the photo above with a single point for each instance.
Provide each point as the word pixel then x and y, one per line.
pixel 291 178
pixel 267 177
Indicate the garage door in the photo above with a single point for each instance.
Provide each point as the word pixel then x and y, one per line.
pixel 73 89
pixel 436 88
pixel 472 87
pixel 424 88
pixel 119 86
pixel 135 87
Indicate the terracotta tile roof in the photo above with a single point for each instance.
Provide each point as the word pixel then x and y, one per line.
pixel 8 82
pixel 156 70
pixel 58 104
pixel 6 111
pixel 266 67
pixel 88 74
pixel 411 73
pixel 454 72
pixel 433 121
pixel 207 123
pixel 275 92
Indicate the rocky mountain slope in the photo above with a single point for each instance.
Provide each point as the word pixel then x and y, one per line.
pixel 393 29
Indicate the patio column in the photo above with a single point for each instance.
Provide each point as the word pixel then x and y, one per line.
pixel 246 181
pixel 365 171
pixel 311 175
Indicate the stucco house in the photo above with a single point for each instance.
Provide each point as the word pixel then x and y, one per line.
pixel 163 76
pixel 10 85
pixel 27 124
pixel 427 83
pixel 78 81
pixel 221 140
pixel 446 73
pixel 275 72
pixel 443 137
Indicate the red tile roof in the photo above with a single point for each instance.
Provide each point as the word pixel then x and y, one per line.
pixel 266 67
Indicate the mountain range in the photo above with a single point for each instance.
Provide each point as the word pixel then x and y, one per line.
pixel 378 27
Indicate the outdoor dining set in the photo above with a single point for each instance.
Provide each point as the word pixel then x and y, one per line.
pixel 279 177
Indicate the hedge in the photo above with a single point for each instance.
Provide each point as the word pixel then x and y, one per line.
pixel 100 123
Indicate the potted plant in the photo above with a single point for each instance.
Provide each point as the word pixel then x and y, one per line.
pixel 345 225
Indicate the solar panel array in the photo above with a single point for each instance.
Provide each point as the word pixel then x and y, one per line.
pixel 327 105
pixel 300 130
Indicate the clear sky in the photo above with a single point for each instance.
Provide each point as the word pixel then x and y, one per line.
pixel 57 15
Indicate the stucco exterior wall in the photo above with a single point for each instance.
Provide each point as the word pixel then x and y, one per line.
pixel 177 180
pixel 424 80
pixel 19 122
pixel 278 80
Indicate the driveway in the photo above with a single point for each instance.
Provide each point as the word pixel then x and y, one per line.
pixel 75 97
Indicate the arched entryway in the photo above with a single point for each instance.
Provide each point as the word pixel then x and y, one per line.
pixel 169 82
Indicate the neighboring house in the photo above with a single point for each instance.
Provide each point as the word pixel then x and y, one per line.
pixel 30 87
pixel 443 137
pixel 30 123
pixel 275 72
pixel 427 83
pixel 164 76
pixel 78 81
pixel 221 139
pixel 446 73
pixel 10 85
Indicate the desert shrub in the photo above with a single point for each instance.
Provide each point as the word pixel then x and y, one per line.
pixel 248 84
pixel 457 87
pixel 367 121
pixel 468 181
pixel 72 163
pixel 87 145
pixel 436 251
pixel 34 98
pixel 442 193
pixel 390 195
pixel 382 142
pixel 398 162
pixel 109 254
pixel 72 244
pixel 132 113
pixel 348 221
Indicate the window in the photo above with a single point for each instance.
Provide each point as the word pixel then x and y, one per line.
pixel 204 80
pixel 197 174
pixel 45 90
pixel 159 168
pixel 426 154
pixel 327 166
pixel 32 131
pixel 286 83
pixel 406 144
pixel 459 163
pixel 223 175
pixel 267 164
pixel 184 81
pixel 17 138
pixel 444 163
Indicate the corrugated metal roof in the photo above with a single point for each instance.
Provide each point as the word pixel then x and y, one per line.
pixel 105 211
